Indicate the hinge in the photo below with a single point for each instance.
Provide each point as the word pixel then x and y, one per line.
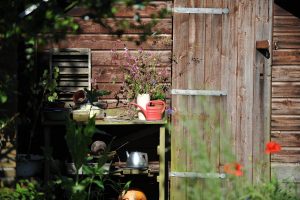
pixel 218 11
pixel 198 92
pixel 196 175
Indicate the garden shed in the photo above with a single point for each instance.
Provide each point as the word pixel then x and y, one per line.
pixel 233 67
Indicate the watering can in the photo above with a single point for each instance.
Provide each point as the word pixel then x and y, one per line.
pixel 154 109
pixel 137 160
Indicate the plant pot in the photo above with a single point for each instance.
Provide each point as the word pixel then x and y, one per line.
pixel 79 97
pixel 81 115
pixel 55 104
pixel 142 100
pixel 28 165
pixel 56 114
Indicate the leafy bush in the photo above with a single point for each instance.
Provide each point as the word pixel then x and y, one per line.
pixel 25 190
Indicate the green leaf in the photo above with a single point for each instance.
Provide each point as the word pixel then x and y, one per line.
pixel 99 183
pixel 87 169
pixel 78 188
pixel 3 97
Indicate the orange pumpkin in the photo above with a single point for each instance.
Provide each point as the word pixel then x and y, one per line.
pixel 133 195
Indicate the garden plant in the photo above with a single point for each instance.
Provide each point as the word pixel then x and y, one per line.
pixel 206 134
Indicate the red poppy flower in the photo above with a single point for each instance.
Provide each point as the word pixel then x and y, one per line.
pixel 233 168
pixel 272 147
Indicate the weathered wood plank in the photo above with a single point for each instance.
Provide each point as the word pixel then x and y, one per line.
pixel 246 45
pixel 287 156
pixel 122 11
pixel 89 26
pixel 261 95
pixel 278 30
pixel 286 73
pixel 262 44
pixel 212 81
pixel 104 58
pixel 283 57
pixel 286 138
pixel 285 122
pixel 286 89
pixel 178 189
pixel 229 69
pixel 113 74
pixel 108 42
pixel 286 172
pixel 286 41
pixel 286 106
pixel 286 21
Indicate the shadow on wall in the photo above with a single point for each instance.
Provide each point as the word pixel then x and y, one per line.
pixel 291 6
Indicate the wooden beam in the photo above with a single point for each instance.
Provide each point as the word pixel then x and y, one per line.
pixel 263 44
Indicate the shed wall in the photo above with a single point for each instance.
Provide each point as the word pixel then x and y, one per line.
pixel 105 73
pixel 285 90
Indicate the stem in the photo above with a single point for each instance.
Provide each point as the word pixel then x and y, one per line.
pixel 77 176
pixel 9 121
pixel 35 121
pixel 90 187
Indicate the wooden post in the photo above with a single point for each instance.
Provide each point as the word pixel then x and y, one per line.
pixel 162 163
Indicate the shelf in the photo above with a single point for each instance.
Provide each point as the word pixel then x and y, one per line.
pixel 155 168
pixel 106 121
pixel 122 170
pixel 128 122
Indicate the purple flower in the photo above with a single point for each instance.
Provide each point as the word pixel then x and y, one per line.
pixel 170 111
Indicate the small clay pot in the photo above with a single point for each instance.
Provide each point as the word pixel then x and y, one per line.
pixel 79 97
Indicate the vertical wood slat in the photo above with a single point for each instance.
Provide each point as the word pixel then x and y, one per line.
pixel 261 100
pixel 196 73
pixel 178 148
pixel 246 48
pixel 229 69
pixel 212 79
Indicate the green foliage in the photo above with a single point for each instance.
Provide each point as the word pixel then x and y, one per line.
pixel 78 137
pixel 25 190
pixel 49 84
pixel 207 141
pixel 6 87
pixel 273 190
pixel 93 94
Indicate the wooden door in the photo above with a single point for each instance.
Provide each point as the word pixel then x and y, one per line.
pixel 215 61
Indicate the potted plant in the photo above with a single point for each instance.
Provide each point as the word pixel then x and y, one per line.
pixel 142 79
pixel 97 175
pixel 53 108
pixel 89 106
